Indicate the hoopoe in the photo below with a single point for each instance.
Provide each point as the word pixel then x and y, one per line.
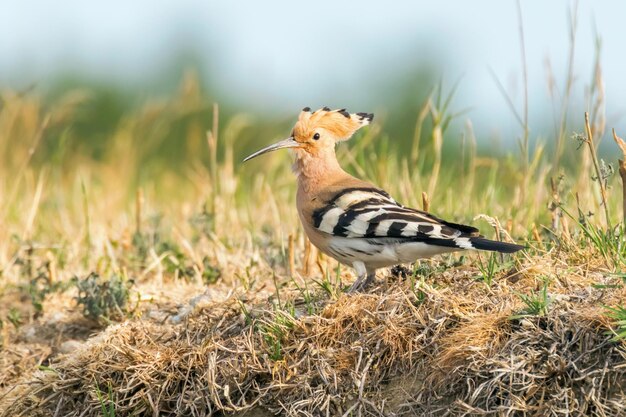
pixel 353 221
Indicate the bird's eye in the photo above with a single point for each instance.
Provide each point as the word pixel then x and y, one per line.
pixel 316 136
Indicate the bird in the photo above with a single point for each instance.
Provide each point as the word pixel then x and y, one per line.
pixel 353 221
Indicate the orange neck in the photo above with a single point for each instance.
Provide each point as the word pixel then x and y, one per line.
pixel 315 171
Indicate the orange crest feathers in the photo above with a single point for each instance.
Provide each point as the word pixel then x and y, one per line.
pixel 338 123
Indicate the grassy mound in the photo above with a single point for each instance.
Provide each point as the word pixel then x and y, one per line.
pixel 436 344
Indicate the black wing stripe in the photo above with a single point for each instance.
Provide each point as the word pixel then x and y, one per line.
pixel 425 228
pixel 343 222
pixel 371 228
pixel 449 243
pixel 470 230
pixel 396 228
pixel 318 215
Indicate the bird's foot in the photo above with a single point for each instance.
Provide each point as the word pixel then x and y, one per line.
pixel 356 286
pixel 362 283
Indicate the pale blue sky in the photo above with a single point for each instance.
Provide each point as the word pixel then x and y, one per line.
pixel 282 55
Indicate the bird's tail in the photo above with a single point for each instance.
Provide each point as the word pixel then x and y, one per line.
pixel 494 245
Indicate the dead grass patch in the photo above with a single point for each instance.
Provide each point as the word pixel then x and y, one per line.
pixel 453 351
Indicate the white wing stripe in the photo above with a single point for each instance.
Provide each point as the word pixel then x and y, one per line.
pixel 411 229
pixel 436 232
pixel 330 219
pixel 463 242
pixel 357 229
pixel 383 227
pixel 367 216
pixel 355 197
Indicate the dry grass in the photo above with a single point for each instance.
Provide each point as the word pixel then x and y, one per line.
pixel 450 348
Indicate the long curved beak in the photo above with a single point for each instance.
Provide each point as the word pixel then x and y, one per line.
pixel 285 143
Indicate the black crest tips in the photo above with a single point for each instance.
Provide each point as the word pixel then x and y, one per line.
pixel 306 109
pixel 344 113
pixel 326 108
pixel 366 116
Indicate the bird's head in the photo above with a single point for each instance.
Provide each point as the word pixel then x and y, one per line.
pixel 317 131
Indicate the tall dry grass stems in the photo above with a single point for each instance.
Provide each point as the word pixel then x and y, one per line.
pixel 85 203
pixel 55 197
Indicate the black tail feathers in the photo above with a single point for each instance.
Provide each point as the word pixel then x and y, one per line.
pixel 495 246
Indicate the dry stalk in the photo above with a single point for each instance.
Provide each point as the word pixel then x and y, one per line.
pixel 17 185
pixel 596 166
pixel 138 210
pixel 51 267
pixel 524 141
pixel 537 237
pixel 319 261
pixel 569 82
pixel 417 134
pixel 469 177
pixel 212 138
pixel 622 172
pixel 554 206
pixel 425 201
pixel 306 268
pixel 292 256
pixel 437 139
pixel 32 214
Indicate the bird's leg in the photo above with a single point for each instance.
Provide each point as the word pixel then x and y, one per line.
pixel 365 277
pixel 362 277
pixel 358 284
pixel 362 282
pixel 371 275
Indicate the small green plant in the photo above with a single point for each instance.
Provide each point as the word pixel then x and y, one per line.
pixel 307 296
pixel 45 368
pixel 429 268
pixel 416 288
pixel 175 260
pixel 203 223
pixel 103 299
pixel 40 285
pixel 537 303
pixel 244 310
pixel 273 341
pixel 620 275
pixel 327 285
pixel 247 280
pixel 424 269
pixel 610 243
pixel 106 400
pixel 210 274
pixel 14 317
pixel 277 288
pixel 618 314
pixel 275 331
pixel 488 269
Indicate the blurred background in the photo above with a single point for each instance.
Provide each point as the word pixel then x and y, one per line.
pixel 273 58
pixel 117 61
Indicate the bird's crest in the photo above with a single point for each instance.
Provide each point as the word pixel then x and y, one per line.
pixel 339 123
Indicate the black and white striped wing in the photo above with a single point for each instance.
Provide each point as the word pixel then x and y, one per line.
pixel 370 213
